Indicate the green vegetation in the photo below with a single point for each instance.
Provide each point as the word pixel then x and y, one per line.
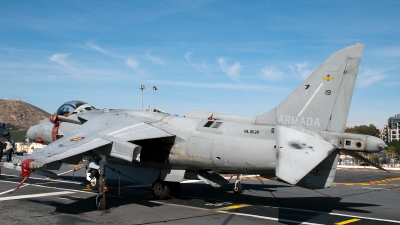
pixel 364 129
pixel 17 134
pixel 393 149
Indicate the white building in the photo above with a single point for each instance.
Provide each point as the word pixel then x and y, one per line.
pixel 391 131
pixel 34 146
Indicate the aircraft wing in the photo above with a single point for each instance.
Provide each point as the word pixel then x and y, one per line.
pixel 116 128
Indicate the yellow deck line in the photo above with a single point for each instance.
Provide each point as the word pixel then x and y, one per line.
pixel 232 207
pixel 347 221
pixel 378 182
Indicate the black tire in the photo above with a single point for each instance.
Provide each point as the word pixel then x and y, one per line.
pixel 175 188
pixel 238 188
pixel 100 202
pixel 94 181
pixel 160 190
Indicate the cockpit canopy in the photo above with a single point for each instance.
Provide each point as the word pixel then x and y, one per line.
pixel 71 107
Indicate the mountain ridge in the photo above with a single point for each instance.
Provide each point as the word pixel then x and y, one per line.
pixel 21 114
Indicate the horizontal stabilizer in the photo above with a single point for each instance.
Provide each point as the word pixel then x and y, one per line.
pixel 298 152
pixel 359 157
pixel 214 180
pixel 321 176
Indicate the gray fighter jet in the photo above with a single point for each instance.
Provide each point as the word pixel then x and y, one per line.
pixel 298 141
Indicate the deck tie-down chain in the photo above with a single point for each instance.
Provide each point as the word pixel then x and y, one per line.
pixel 269 190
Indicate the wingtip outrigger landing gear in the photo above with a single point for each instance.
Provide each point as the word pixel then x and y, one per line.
pixel 237 187
pixel 26 171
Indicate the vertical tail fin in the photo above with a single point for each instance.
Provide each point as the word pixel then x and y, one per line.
pixel 322 101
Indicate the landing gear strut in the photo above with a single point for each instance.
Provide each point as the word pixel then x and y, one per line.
pixel 101 197
pixel 237 187
pixel 164 189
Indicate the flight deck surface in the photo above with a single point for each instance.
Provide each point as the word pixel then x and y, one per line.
pixel 359 196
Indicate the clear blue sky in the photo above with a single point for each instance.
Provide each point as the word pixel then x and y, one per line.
pixel 234 57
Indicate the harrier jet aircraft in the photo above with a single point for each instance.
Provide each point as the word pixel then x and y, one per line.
pixel 298 141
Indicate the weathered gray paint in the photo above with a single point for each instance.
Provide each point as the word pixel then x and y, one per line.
pixel 299 139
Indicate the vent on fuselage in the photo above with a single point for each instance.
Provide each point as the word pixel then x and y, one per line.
pixel 213 124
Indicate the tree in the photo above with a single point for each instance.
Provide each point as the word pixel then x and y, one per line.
pixel 364 129
pixel 375 158
pixel 395 146
pixel 390 152
pixel 16 134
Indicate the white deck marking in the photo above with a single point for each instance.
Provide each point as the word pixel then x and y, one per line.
pixel 48 179
pixel 35 195
pixel 149 185
pixel 277 219
pixel 269 218
pixel 339 214
pixel 239 214
pixel 373 188
pixel 363 217
pixel 65 172
pixel 64 189
pixel 6 192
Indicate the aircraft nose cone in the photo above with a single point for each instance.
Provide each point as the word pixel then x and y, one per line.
pixel 30 134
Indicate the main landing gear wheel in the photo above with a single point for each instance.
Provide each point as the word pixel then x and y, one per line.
pixel 160 190
pixel 94 181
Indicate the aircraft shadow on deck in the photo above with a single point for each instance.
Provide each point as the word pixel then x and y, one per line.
pixel 264 195
pixel 200 195
pixel 80 205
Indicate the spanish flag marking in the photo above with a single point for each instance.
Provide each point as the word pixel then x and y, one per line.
pixel 77 139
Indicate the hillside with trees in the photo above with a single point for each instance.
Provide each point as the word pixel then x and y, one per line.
pixel 21 114
pixel 18 116
pixel 17 134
